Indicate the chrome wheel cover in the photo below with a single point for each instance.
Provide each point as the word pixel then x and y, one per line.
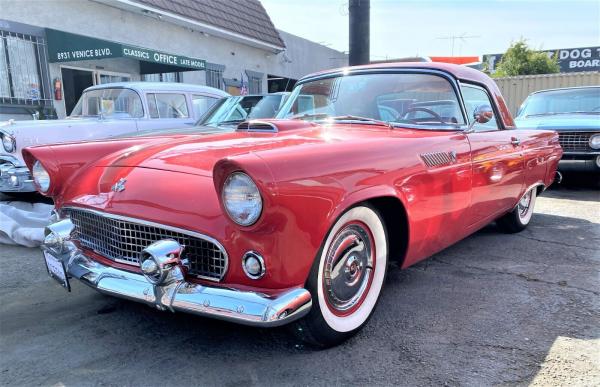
pixel 524 205
pixel 348 268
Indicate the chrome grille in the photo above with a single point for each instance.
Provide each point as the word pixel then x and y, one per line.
pixel 122 240
pixel 575 141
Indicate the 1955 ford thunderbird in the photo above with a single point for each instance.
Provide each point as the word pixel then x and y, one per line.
pixel 296 219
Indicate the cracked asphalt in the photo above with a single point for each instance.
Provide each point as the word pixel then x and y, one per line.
pixel 494 309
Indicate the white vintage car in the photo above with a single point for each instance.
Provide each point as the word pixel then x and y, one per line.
pixel 103 111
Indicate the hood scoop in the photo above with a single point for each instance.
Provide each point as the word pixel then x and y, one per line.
pixel 257 126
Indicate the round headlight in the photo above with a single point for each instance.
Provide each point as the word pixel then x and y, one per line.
pixel 41 176
pixel 595 141
pixel 241 199
pixel 8 143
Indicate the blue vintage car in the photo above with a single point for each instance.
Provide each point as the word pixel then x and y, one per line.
pixel 575 114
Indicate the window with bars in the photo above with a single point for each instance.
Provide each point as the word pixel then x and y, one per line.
pixel 23 80
pixel 162 77
pixel 214 78
pixel 254 85
pixel 255 80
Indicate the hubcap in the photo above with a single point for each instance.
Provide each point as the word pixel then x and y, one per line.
pixel 524 204
pixel 348 269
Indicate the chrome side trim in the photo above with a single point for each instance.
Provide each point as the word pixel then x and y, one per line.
pixel 163 226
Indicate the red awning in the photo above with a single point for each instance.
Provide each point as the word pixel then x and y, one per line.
pixel 460 60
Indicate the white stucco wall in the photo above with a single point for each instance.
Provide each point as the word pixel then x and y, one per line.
pixel 97 20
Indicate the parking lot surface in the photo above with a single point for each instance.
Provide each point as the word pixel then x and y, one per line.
pixel 492 309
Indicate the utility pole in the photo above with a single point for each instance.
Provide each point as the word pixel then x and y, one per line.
pixel 359 25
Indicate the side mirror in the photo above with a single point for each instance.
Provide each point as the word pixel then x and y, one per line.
pixel 481 115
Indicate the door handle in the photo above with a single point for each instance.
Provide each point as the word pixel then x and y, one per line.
pixel 515 141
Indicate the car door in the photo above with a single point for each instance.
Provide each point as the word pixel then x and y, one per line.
pixel 497 161
pixel 167 110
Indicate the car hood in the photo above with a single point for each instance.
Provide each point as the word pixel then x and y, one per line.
pixel 197 154
pixel 561 122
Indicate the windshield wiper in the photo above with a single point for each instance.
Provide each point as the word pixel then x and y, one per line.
pixel 228 122
pixel 362 119
pixel 307 116
pixel 347 117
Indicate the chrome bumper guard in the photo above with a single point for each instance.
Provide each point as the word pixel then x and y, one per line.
pixel 175 294
pixel 15 179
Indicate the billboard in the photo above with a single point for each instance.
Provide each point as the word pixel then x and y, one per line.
pixel 569 59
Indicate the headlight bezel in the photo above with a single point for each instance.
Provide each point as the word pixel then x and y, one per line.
pixel 38 170
pixel 227 202
pixel 595 137
pixel 10 140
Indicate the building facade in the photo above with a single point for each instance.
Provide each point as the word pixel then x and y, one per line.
pixel 50 51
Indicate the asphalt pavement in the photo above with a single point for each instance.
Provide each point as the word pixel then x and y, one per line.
pixel 494 309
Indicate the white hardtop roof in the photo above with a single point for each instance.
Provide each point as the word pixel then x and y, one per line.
pixel 161 86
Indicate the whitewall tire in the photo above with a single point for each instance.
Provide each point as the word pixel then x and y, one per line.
pixel 518 219
pixel 346 278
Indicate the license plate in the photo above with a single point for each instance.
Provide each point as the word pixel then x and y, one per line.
pixel 56 270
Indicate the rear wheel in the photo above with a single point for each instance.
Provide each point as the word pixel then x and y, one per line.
pixel 346 278
pixel 518 219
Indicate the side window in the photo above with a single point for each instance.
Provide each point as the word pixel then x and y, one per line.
pixel 201 104
pixel 475 96
pixel 152 109
pixel 167 105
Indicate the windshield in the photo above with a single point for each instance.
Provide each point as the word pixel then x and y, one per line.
pixel 584 100
pixel 420 100
pixel 232 110
pixel 266 107
pixel 111 103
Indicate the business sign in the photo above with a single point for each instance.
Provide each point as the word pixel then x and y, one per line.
pixel 569 59
pixel 67 47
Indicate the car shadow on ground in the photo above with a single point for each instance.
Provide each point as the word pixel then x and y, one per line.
pixel 487 309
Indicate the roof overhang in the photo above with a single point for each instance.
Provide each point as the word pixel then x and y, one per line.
pixel 132 6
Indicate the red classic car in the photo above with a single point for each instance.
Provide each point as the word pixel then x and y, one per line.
pixel 296 219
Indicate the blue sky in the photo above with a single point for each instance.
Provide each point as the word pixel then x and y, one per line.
pixel 401 28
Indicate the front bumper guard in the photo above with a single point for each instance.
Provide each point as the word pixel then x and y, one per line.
pixel 15 178
pixel 239 306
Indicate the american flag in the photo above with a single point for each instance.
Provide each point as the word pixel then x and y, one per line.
pixel 243 87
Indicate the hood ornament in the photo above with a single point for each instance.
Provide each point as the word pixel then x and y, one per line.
pixel 119 185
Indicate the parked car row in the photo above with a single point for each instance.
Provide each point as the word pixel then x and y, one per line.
pixel 293 220
pixel 129 109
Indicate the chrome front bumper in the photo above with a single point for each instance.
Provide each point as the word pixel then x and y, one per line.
pixel 15 178
pixel 573 163
pixel 239 306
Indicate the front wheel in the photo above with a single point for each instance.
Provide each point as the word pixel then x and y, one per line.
pixel 518 219
pixel 346 278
